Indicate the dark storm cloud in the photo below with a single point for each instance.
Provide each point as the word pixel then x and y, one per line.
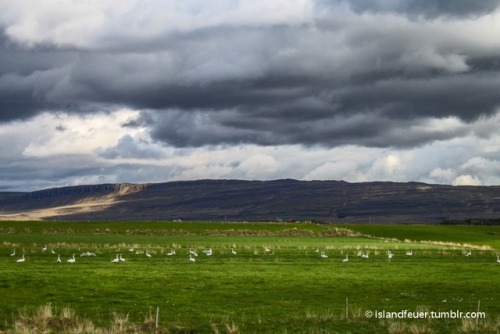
pixel 27 78
pixel 51 172
pixel 426 8
pixel 353 73
pixel 47 168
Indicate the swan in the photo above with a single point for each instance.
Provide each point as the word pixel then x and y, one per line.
pixel 72 260
pixel 116 259
pixel 409 253
pixel 233 251
pixel 346 258
pixel 389 254
pixel 58 258
pixel 193 253
pixel 192 259
pixel 172 252
pixel 22 259
pixel 323 255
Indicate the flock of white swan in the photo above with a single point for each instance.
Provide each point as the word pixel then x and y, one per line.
pixel 193 255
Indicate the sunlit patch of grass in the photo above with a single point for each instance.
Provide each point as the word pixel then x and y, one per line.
pixel 488 325
pixel 405 327
pixel 44 320
pixel 396 327
pixel 321 316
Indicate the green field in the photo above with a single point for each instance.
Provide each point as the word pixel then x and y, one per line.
pixel 288 289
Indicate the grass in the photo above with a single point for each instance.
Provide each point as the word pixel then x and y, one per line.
pixel 45 320
pixel 470 235
pixel 288 289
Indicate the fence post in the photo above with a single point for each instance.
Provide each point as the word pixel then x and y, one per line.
pixel 157 314
pixel 477 315
pixel 347 308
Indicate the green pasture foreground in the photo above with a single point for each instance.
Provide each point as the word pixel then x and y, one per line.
pixel 277 282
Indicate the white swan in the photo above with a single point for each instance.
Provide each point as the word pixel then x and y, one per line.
pixel 72 260
pixel 22 259
pixel 193 253
pixel 389 254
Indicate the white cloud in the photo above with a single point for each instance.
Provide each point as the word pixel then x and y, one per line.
pixel 258 166
pixel 421 59
pixel 442 175
pixel 97 23
pixel 337 170
pixel 63 149
pixel 61 22
pixel 63 134
pixel 466 180
pixel 213 171
pixel 390 167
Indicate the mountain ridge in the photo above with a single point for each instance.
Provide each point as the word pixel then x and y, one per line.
pixel 284 199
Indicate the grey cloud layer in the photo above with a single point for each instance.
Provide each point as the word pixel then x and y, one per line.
pixel 356 73
pixel 427 8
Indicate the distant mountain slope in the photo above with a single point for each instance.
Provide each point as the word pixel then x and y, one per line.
pixel 256 200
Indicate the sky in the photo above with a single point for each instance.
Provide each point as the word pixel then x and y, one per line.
pixel 112 91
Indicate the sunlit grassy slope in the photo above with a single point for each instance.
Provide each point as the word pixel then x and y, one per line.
pixel 474 235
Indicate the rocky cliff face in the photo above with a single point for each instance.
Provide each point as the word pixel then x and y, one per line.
pixel 83 190
pixel 63 196
pixel 266 200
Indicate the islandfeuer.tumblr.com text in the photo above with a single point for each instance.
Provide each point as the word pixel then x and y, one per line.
pixel 407 314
